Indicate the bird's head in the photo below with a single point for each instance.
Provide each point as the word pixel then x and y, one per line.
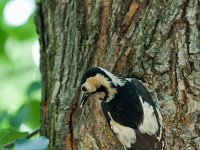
pixel 97 80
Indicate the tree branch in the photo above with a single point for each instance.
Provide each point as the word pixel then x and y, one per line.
pixel 27 136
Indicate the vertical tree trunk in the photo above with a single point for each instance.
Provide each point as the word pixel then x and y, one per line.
pixel 155 40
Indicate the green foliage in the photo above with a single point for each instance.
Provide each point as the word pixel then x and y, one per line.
pixel 24 32
pixel 19 77
pixel 3 114
pixel 28 114
pixel 9 135
pixel 40 143
pixel 33 87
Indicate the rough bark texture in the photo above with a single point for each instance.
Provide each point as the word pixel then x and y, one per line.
pixel 155 40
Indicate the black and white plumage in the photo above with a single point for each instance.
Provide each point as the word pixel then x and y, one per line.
pixel 128 108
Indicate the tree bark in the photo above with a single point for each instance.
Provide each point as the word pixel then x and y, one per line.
pixel 154 40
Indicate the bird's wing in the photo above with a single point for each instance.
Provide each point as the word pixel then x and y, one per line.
pixel 126 135
pixel 142 136
pixel 152 120
pixel 141 90
pixel 132 139
pixel 152 116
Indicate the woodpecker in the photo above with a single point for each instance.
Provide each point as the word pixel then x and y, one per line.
pixel 127 107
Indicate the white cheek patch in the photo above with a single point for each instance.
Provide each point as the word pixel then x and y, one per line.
pixel 149 124
pixel 126 135
pixel 90 87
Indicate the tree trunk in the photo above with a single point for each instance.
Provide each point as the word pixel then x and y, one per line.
pixel 154 40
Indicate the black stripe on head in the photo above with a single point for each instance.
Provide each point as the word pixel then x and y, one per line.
pixel 93 72
pixel 103 89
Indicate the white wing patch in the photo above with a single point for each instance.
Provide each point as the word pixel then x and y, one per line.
pixel 125 134
pixel 149 124
pixel 115 80
pixel 131 79
pixel 160 120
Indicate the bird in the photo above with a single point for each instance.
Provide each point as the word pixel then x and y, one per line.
pixel 128 108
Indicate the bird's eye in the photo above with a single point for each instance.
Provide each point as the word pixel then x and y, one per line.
pixel 83 88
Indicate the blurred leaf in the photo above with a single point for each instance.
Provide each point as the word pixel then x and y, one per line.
pixel 20 116
pixel 36 85
pixel 28 113
pixel 33 116
pixel 2 5
pixel 3 35
pixel 9 135
pixel 2 148
pixel 3 115
pixel 40 143
pixel 3 38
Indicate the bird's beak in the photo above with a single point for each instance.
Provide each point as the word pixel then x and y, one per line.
pixel 83 98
